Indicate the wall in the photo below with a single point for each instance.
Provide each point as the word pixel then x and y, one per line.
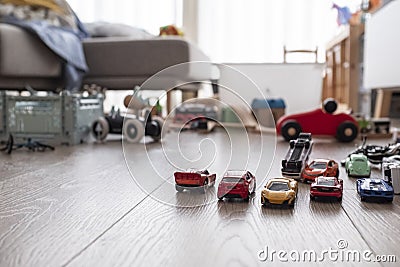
pixel 300 85
pixel 382 43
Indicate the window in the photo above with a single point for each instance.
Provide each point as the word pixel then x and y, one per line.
pixel 257 30
pixel 147 14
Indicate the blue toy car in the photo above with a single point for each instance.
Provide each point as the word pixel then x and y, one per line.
pixel 374 189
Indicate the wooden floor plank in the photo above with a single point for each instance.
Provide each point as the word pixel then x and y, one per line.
pixel 229 232
pixel 49 214
pixel 84 208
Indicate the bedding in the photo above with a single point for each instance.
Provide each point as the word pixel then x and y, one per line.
pixel 57 26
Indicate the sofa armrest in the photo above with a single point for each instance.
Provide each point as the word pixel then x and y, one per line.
pixel 23 55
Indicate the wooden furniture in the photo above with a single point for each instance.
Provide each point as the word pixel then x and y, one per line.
pixel 382 56
pixel 343 67
pixel 79 206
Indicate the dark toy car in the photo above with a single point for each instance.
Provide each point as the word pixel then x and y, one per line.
pixel 132 127
pixel 297 156
pixel 374 189
pixel 376 153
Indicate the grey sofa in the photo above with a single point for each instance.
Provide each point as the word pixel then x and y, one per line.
pixel 114 62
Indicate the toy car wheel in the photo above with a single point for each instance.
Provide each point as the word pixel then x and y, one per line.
pixel 292 143
pixel 133 130
pixel 363 198
pixel 203 188
pixel 347 131
pixel 290 130
pixel 339 199
pixel 330 105
pixel 161 123
pixel 179 188
pixel 307 144
pixel 312 197
pixel 100 129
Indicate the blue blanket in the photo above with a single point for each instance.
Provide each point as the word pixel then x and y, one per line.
pixel 65 43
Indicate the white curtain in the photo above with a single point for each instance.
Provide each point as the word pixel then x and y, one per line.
pixel 146 14
pixel 256 30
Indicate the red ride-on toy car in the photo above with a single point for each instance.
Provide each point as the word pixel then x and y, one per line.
pixel 321 121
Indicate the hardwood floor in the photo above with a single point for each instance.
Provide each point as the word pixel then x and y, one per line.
pixel 83 206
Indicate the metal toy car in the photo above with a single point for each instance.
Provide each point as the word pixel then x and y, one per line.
pixel 357 166
pixel 376 153
pixel 237 184
pixel 374 189
pixel 132 127
pixel 321 121
pixel 297 156
pixel 193 178
pixel 327 187
pixel 279 191
pixel 320 167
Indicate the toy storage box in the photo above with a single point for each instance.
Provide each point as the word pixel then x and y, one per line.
pixel 260 106
pixel 55 119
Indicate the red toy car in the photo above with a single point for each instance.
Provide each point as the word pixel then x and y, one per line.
pixel 320 167
pixel 319 122
pixel 327 187
pixel 194 178
pixel 237 184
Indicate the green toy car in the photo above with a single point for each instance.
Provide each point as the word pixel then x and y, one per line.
pixel 357 166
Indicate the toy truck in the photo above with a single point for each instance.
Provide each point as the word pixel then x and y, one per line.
pixel 297 156
pixel 391 172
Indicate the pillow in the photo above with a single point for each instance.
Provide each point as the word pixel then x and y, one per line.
pixel 105 29
pixel 54 12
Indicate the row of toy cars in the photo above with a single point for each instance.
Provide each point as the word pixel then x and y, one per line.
pixel 323 174
pixel 239 184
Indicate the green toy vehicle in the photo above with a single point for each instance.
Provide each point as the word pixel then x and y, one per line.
pixel 357 166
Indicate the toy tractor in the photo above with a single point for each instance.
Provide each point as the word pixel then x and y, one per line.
pixel 132 126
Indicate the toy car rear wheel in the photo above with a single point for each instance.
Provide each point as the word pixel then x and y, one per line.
pixel 203 188
pixel 346 132
pixel 100 129
pixel 340 199
pixel 133 130
pixel 290 130
pixel 312 197
pixel 179 188
pixel 160 121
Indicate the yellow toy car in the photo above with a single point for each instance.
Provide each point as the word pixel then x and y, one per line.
pixel 279 191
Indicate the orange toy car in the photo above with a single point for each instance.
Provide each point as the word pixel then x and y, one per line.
pixel 320 167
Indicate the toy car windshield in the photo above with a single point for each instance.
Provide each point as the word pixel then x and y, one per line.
pixel 376 186
pixel 326 182
pixel 318 165
pixel 232 180
pixel 279 187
